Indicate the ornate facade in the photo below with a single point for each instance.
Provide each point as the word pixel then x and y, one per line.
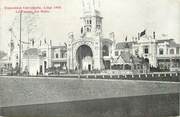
pixel 85 52
pixel 92 51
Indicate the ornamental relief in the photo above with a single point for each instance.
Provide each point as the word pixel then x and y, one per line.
pixel 83 42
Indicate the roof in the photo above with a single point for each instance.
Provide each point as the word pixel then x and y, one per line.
pixel 128 58
pixel 172 43
pixel 2 55
pixel 31 52
pixel 124 45
pixel 56 47
pixel 163 40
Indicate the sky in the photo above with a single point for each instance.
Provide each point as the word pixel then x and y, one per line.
pixel 123 17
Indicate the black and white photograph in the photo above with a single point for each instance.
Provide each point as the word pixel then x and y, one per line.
pixel 89 58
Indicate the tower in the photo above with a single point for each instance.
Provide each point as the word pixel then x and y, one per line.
pixel 91 19
pixel 85 53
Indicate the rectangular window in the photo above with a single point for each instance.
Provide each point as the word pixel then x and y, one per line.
pixel 161 52
pixel 16 56
pixel 116 53
pixel 146 50
pixel 57 56
pixel 171 51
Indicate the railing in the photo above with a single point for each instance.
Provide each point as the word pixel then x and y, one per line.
pixel 166 76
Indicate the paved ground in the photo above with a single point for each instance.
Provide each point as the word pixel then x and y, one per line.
pixel 47 95
pixel 139 106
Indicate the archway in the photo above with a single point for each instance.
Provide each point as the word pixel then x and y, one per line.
pixel 84 57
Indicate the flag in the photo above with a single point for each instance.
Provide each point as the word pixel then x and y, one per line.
pixel 126 38
pixel 65 44
pixel 142 33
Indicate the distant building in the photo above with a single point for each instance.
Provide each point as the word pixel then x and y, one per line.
pixel 37 60
pixel 92 51
pixel 168 55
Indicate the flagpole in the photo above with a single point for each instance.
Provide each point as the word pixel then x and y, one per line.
pixel 20 43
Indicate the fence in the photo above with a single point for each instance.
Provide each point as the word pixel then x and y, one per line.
pixel 165 76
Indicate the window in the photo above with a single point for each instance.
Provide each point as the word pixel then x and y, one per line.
pixel 17 64
pixel 88 21
pixel 44 54
pixel 137 52
pixel 16 56
pixel 171 51
pixel 88 29
pixel 146 50
pixel 62 54
pixel 177 50
pixel 105 50
pixel 57 56
pixel 45 65
pixel 127 67
pixel 116 53
pixel 161 52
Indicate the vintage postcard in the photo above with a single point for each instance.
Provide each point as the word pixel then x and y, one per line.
pixel 89 58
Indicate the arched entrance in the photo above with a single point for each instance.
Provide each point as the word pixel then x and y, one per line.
pixel 84 57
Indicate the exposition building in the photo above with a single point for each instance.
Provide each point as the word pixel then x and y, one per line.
pixel 94 52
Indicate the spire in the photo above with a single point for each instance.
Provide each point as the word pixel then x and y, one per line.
pixel 90 5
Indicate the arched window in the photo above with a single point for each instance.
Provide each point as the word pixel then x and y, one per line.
pixel 105 50
pixel 161 51
pixel 146 60
pixel 82 30
pixel 171 51
pixel 90 22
